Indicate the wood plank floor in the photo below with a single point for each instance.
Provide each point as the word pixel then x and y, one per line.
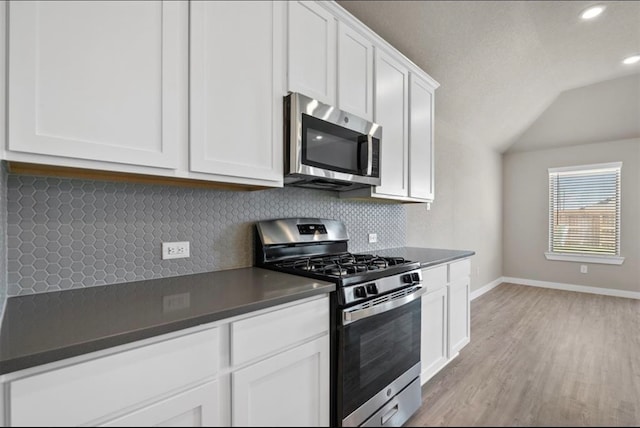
pixel 541 357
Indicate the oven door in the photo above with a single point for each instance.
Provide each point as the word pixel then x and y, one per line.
pixel 378 353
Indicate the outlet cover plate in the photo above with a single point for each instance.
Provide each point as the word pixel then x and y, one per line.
pixel 373 237
pixel 175 250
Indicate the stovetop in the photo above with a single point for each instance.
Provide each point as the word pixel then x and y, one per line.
pixel 317 248
pixel 345 268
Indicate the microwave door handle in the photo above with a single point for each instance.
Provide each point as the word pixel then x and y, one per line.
pixel 369 154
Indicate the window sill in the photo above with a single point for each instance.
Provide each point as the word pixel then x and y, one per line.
pixel 582 258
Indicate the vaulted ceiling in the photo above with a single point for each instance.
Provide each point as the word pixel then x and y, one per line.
pixel 501 64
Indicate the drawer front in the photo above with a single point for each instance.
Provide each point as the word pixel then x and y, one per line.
pixel 435 277
pixel 87 391
pixel 460 269
pixel 263 334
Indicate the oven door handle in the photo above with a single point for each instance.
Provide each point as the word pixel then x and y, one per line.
pixel 351 316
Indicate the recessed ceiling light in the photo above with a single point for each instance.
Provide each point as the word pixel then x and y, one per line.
pixel 631 59
pixel 592 12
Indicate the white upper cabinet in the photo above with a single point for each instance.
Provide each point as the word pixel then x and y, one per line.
pixel 355 72
pixel 421 171
pixel 97 80
pixel 236 89
pixel 312 51
pixel 391 108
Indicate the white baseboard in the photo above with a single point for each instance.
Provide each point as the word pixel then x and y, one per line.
pixel 490 286
pixel 569 287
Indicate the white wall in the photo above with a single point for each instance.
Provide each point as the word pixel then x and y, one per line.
pixel 467 211
pixel 526 210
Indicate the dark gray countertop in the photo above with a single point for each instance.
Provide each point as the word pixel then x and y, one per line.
pixel 426 256
pixel 47 327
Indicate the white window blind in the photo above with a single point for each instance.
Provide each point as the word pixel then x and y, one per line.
pixel 584 210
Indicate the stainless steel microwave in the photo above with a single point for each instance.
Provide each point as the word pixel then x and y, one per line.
pixel 327 148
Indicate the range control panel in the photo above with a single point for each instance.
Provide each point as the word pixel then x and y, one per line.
pixel 312 229
pixel 366 290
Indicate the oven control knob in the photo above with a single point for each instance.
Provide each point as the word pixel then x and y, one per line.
pixel 372 289
pixel 359 292
pixel 406 278
pixel 415 276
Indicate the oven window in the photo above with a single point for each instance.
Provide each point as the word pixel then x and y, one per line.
pixel 333 147
pixel 375 351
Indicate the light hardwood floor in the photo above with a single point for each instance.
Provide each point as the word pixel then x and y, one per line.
pixel 541 357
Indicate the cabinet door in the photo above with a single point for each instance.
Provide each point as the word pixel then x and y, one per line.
pixel 236 89
pixel 459 315
pixel 390 111
pixel 355 73
pixel 197 407
pixel 312 51
pixel 434 346
pixel 288 389
pixel 421 171
pixel 98 80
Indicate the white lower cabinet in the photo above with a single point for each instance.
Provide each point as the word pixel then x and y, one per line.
pixel 459 322
pixel 288 389
pixel 445 315
pixel 434 345
pixel 189 378
pixel 103 388
pixel 197 407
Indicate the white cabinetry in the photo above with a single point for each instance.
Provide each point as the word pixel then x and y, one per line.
pixel 197 407
pixel 91 391
pixel 236 88
pixel 288 389
pixel 391 111
pixel 421 165
pixel 312 51
pixel 355 72
pixel 206 376
pixel 97 80
pixel 459 305
pixel 445 315
pixel 328 58
pixel 280 367
pixel 403 106
pixel 435 319
pixel 143 88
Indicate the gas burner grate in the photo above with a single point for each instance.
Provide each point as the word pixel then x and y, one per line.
pixel 342 264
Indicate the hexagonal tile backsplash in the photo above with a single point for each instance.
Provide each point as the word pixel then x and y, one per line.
pixel 66 233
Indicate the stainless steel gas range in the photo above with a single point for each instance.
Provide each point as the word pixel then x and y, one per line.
pixel 375 326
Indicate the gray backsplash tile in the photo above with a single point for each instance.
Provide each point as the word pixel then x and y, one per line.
pixel 66 233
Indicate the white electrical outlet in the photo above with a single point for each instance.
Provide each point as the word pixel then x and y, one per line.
pixel 373 237
pixel 175 250
pixel 584 269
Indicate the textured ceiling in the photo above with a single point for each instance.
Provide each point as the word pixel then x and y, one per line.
pixel 501 64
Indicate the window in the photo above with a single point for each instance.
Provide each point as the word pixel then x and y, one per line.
pixel 584 213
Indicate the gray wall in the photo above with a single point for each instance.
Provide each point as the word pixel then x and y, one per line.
pixel 526 215
pixel 467 211
pixel 72 233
